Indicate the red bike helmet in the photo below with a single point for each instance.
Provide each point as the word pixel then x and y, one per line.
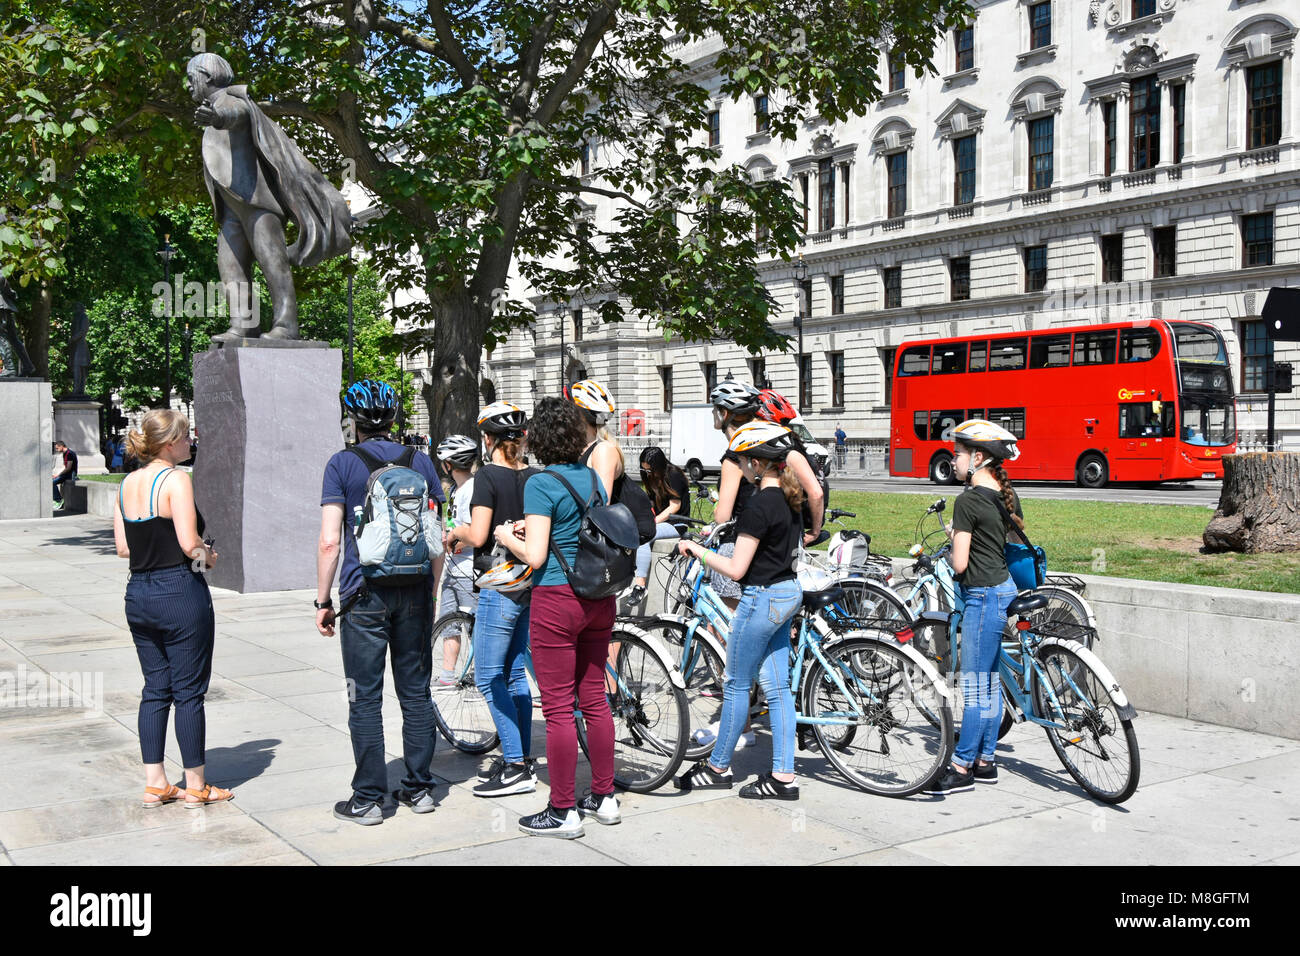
pixel 773 407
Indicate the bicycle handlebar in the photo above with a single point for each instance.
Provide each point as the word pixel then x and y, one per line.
pixel 835 514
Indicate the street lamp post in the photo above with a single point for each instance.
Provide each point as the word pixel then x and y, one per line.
pixel 166 252
pixel 351 375
pixel 800 274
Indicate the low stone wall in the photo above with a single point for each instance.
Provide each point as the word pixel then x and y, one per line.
pixel 1220 655
pixel 100 497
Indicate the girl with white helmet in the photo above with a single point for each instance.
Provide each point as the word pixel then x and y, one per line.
pixel 456 455
pixel 501 622
pixel 767 544
pixel 979 536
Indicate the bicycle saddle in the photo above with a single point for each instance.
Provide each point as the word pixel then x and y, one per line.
pixel 1023 605
pixel 819 600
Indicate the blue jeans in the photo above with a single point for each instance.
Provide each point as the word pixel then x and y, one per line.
pixel 383 621
pixel 982 620
pixel 500 640
pixel 643 553
pixel 759 646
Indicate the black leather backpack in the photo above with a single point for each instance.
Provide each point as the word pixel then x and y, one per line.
pixel 607 543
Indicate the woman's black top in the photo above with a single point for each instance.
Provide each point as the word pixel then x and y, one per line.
pixel 678 490
pixel 769 518
pixel 501 489
pixel 152 540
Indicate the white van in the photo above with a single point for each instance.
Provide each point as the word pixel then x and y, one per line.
pixel 693 443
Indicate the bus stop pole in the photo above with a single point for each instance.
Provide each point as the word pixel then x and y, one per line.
pixel 1272 397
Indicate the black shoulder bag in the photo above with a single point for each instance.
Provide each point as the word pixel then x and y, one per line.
pixel 607 543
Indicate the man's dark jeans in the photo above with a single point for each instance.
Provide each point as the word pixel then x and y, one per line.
pixel 397 620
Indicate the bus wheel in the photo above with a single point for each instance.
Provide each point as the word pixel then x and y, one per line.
pixel 941 469
pixel 1092 471
pixel 694 470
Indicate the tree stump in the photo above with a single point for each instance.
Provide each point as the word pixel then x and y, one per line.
pixel 1259 507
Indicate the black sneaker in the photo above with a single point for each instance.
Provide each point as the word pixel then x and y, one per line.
pixel 365 813
pixel 985 774
pixel 808 741
pixel 603 808
pixel 768 787
pixel 492 769
pixel 565 824
pixel 531 764
pixel 633 598
pixel 420 800
pixel 703 777
pixel 511 778
pixel 951 781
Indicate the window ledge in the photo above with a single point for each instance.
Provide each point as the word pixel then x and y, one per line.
pixel 1151 22
pixel 758 139
pixel 894 97
pixel 962 76
pixel 1037 55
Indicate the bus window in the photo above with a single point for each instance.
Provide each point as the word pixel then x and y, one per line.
pixel 974 413
pixel 979 356
pixel 1094 348
pixel 1137 420
pixel 915 361
pixel 949 359
pixel 1012 419
pixel 1208 421
pixel 1199 344
pixel 1007 354
pixel 1049 351
pixel 1138 345
pixel 940 422
pixel 921 425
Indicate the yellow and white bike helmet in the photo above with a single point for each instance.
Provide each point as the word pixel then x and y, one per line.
pixel 507 575
pixel 982 435
pixel 594 399
pixel 760 439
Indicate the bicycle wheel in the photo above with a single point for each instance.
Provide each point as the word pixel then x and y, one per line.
pixel 868 601
pixel 702 671
pixel 1097 746
pixel 1065 607
pixel 460 710
pixel 650 717
pixel 903 724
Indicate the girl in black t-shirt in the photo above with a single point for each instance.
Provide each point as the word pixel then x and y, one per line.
pixel 670 497
pixel 767 544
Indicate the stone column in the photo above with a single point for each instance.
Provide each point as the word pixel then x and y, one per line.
pixel 26 449
pixel 77 424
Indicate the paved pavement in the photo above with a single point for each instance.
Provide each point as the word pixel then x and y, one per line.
pixel 277 734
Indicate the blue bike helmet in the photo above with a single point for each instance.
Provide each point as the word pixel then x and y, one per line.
pixel 372 403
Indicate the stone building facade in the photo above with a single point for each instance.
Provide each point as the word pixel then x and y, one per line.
pixel 1071 163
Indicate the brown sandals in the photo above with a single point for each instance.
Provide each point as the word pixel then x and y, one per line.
pixel 164 795
pixel 209 794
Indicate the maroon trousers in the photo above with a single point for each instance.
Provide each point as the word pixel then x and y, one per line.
pixel 570 642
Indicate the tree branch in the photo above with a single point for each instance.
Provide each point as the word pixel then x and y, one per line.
pixel 599 22
pixel 451 48
pixel 409 38
pixel 530 63
pixel 595 190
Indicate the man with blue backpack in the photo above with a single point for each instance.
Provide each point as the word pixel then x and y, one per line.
pixel 389 499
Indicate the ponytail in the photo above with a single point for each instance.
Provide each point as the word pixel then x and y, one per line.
pixel 604 434
pixel 790 487
pixel 1008 496
pixel 511 448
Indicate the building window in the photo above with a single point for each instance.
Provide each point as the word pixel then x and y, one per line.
pixel 1108 134
pixel 897 78
pixel 586 159
pixel 1112 258
pixel 758 372
pixel 805 297
pixel 837 295
pixel 964 43
pixel 963 186
pixel 844 192
pixel 959 268
pixel 893 287
pixel 1040 151
pixel 1040 25
pixel 805 382
pixel 803 188
pixel 760 113
pixel 1178 101
pixel 1035 268
pixel 1256 351
pixel 1163 247
pixel 666 377
pixel 715 128
pixel 1143 8
pixel 577 325
pixel 887 364
pixel 1257 240
pixel 837 379
pixel 1144 115
pixel 710 378
pixel 761 233
pixel 825 195
pixel 896 164
pixel 1264 105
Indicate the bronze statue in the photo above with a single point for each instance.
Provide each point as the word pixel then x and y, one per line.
pixel 258 179
pixel 14 360
pixel 79 352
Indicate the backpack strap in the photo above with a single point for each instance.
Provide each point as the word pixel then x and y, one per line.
pixel 991 495
pixel 368 458
pixel 582 511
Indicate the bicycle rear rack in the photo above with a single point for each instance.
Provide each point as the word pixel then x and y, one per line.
pixel 1067 581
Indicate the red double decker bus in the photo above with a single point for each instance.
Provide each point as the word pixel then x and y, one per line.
pixel 1124 401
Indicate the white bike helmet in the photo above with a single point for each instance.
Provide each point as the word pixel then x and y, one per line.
pixel 502 418
pixel 762 440
pixel 735 397
pixel 458 450
pixel 982 435
pixel 594 399
pixel 507 575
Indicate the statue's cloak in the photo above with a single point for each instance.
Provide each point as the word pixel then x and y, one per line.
pixel 306 196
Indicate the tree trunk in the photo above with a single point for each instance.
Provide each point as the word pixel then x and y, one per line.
pixel 459 327
pixel 35 329
pixel 1259 507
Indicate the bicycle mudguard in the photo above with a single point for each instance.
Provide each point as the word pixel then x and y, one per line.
pixel 657 648
pixel 698 632
pixel 1049 588
pixel 1126 710
pixel 908 651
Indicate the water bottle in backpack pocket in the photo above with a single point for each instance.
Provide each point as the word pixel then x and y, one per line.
pixel 398 534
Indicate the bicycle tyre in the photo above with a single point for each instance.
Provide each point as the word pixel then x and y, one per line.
pixel 1065 607
pixel 897 749
pixel 650 718
pixel 1092 745
pixel 869 601
pixel 703 674
pixel 461 711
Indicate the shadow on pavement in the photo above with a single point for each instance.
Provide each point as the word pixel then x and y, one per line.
pixel 231 766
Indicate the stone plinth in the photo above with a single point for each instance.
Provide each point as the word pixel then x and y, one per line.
pixel 76 423
pixel 269 421
pixel 25 442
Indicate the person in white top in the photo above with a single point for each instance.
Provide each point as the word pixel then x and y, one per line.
pixel 457 455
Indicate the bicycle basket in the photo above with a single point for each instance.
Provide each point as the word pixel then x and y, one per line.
pixel 1064 631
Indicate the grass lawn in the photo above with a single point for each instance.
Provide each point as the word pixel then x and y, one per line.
pixel 111 479
pixel 1149 542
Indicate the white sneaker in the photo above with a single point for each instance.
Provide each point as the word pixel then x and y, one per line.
pixel 746 740
pixel 604 809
